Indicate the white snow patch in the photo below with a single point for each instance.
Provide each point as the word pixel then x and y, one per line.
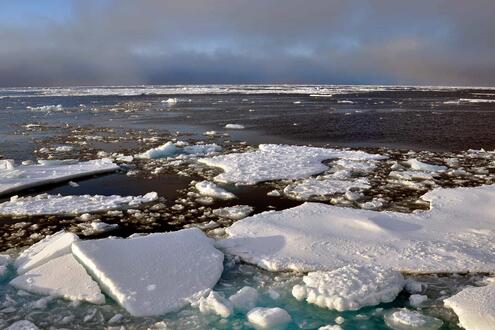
pixel 455 235
pixel 236 212
pixel 210 189
pixel 50 247
pixel 47 172
pixel 234 126
pixel 71 205
pixel 180 266
pixel 62 277
pixel 350 287
pixel 277 162
pixel 268 317
pixel 475 307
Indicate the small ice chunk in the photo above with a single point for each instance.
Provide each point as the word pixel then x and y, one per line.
pixel 312 187
pixel 236 212
pixel 350 287
pixel 170 101
pixel 50 247
pixel 22 325
pixel 165 150
pixel 64 148
pixel 404 319
pixel 179 267
pixel 330 327
pixel 202 149
pixel 71 205
pixel 97 227
pixel 268 317
pixel 6 164
pixel 417 299
pixel 47 108
pixel 420 166
pixel 216 304
pixel 210 189
pixel 234 126
pixel 62 277
pixel 475 307
pixel 244 299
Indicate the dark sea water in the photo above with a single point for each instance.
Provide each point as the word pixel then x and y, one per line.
pixel 435 123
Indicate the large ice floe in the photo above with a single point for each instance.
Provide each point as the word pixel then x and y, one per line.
pixel 15 178
pixel 350 287
pixel 153 274
pixel 475 307
pixel 455 235
pixel 277 162
pixel 71 205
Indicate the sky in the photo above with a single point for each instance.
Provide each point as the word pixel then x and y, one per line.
pixel 109 42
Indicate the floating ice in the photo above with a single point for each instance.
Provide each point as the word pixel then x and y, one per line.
pixel 312 187
pixel 234 126
pixel 236 212
pixel 153 274
pixel 97 227
pixel 202 149
pixel 477 100
pixel 417 299
pixel 216 304
pixel 448 238
pixel 268 317
pixel 23 325
pixel 244 299
pixel 170 101
pixel 276 162
pixel 171 149
pixel 61 277
pixel 475 307
pixel 210 189
pixel 165 150
pixel 404 319
pixel 71 205
pixel 330 327
pixel 5 261
pixel 47 172
pixel 350 287
pixel 420 166
pixel 50 247
pixel 47 108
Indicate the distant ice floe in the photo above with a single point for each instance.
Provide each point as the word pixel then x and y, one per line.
pixel 171 149
pixel 234 126
pixel 45 204
pixel 277 162
pixel 350 287
pixel 14 178
pixel 451 237
pixel 47 108
pixel 170 101
pixel 475 307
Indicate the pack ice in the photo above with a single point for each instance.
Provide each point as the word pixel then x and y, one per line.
pixel 278 162
pixel 15 178
pixel 153 274
pixel 455 235
pixel 71 205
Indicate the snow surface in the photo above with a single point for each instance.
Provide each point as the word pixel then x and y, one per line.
pixel 71 205
pixel 153 274
pixel 50 247
pixel 268 317
pixel 350 287
pixel 47 172
pixel 455 235
pixel 404 319
pixel 475 307
pixel 210 189
pixel 236 212
pixel 277 162
pixel 61 277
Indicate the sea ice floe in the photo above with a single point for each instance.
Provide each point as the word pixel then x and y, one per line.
pixel 22 325
pixel 405 319
pixel 475 307
pixel 420 166
pixel 47 172
pixel 61 277
pixel 350 287
pixel 153 274
pixel 47 108
pixel 313 187
pixel 71 205
pixel 271 318
pixel 455 235
pixel 165 150
pixel 50 247
pixel 234 126
pixel 214 303
pixel 210 189
pixel 277 162
pixel 244 299
pixel 171 149
pixel 236 212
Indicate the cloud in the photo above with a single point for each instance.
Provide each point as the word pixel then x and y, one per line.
pixel 446 42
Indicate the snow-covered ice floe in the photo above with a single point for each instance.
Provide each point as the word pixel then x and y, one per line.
pixel 405 319
pixel 320 187
pixel 171 149
pixel 15 178
pixel 235 212
pixel 277 162
pixel 210 189
pixel 455 235
pixel 234 126
pixel 475 307
pixel 268 318
pixel 71 205
pixel 350 287
pixel 153 274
